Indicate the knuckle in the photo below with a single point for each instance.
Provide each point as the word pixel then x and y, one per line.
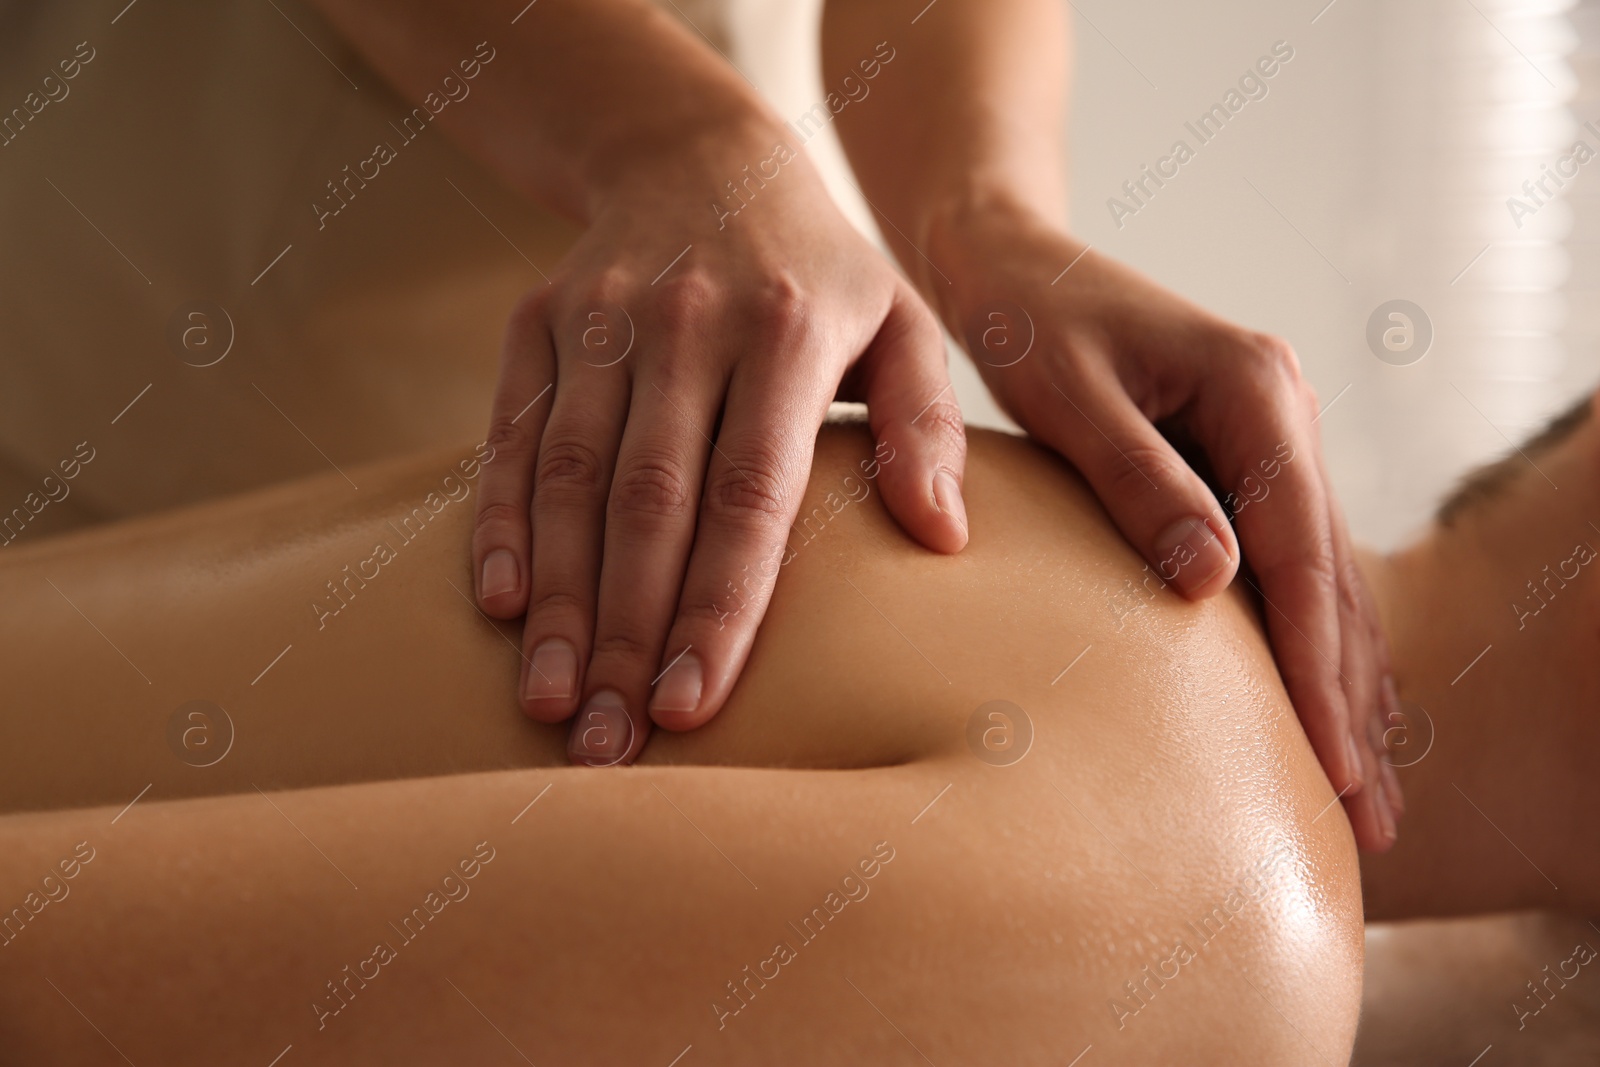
pixel 528 314
pixel 1274 369
pixel 737 604
pixel 1276 351
pixel 942 422
pixel 1352 591
pixel 603 288
pixel 1324 577
pixel 1315 568
pixel 1273 354
pixel 1141 470
pixel 780 309
pixel 748 489
pixel 507 438
pixel 681 378
pixel 1309 401
pixel 650 489
pixel 569 465
pixel 547 606
pixel 591 312
pixel 695 610
pixel 499 517
pixel 686 299
pixel 625 644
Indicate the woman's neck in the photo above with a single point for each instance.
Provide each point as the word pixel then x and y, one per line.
pixel 1493 626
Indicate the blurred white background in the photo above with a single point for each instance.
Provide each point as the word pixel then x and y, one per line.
pixel 1378 167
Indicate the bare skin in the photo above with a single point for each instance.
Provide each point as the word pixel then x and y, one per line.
pixel 713 257
pixel 1019 901
pixel 659 395
pixel 960 149
pixel 1502 800
pixel 615 869
pixel 1500 782
pixel 377 334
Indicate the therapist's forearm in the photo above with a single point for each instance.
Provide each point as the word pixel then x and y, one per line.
pixel 581 98
pixel 970 115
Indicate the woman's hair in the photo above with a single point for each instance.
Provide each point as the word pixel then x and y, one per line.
pixel 1491 480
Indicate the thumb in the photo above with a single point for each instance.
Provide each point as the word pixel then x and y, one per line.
pixel 921 453
pixel 1158 502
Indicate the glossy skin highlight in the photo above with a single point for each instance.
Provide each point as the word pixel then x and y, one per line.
pixel 1169 795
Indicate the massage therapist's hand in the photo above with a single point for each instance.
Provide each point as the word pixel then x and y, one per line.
pixel 659 396
pixel 1106 366
pixel 653 428
pixel 961 148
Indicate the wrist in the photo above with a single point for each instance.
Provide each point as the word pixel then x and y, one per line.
pixel 699 153
pixel 971 229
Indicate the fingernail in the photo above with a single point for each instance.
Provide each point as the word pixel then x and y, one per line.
pixel 1385 817
pixel 947 496
pixel 1375 729
pixel 1391 787
pixel 553 671
pixel 1189 554
pixel 1394 716
pixel 678 688
pixel 602 733
pixel 1354 755
pixel 499 573
pixel 1391 696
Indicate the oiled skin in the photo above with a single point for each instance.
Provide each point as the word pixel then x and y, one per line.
pixel 1167 780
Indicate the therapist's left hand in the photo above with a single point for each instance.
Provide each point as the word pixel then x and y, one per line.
pixel 1105 366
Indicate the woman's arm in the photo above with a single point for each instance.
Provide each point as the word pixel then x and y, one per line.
pixel 628 915
pixel 1165 784
pixel 598 925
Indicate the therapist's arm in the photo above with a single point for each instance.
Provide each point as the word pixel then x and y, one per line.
pixel 660 393
pixel 575 96
pixel 960 145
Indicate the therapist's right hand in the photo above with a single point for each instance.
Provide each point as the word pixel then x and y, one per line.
pixel 1108 368
pixel 654 421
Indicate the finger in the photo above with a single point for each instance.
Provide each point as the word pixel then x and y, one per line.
pixel 1387 712
pixel 1371 820
pixel 650 527
pixel 1286 528
pixel 921 442
pixel 1161 506
pixel 1373 811
pixel 1370 691
pixel 1392 716
pixel 501 529
pixel 754 481
pixel 572 479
